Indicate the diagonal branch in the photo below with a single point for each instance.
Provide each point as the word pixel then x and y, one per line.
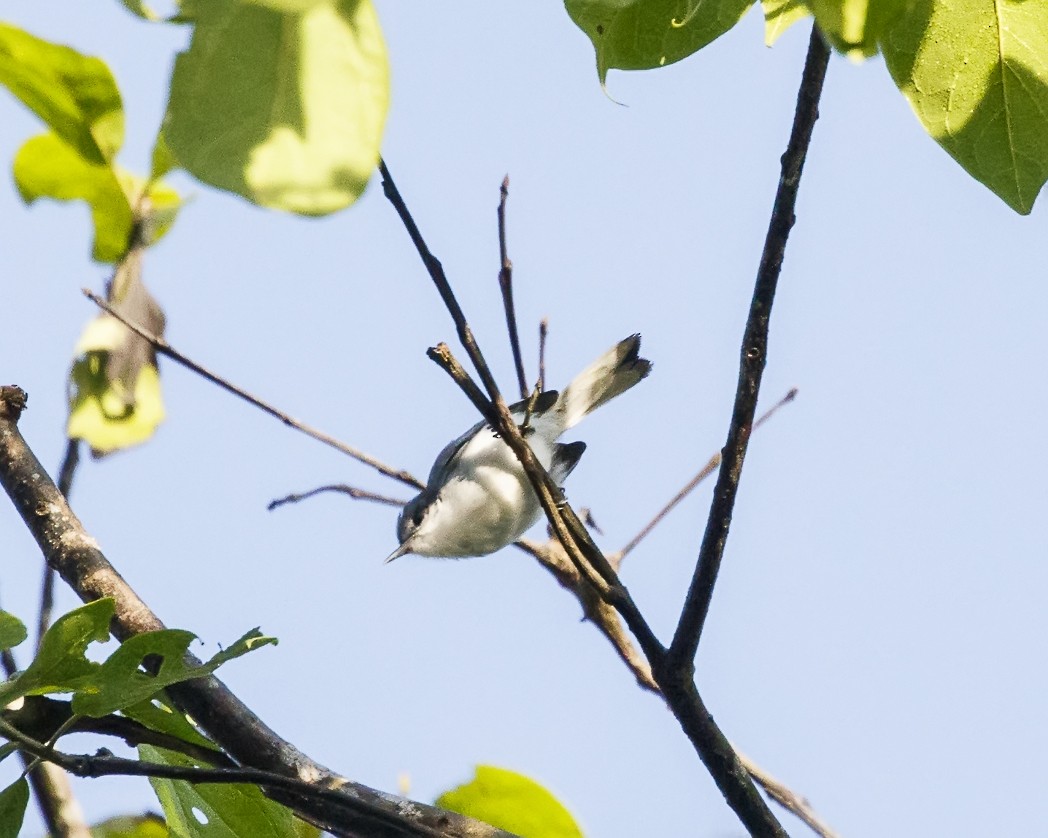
pixel 75 555
pixel 681 659
pixel 162 347
pixel 506 285
pixel 709 742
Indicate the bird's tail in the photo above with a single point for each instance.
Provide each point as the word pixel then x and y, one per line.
pixel 612 373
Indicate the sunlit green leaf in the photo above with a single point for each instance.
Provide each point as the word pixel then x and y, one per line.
pixel 283 103
pixel 780 15
pixel 121 680
pixel 12 630
pixel 643 34
pixel 130 826
pixel 512 802
pixel 163 161
pixel 13 801
pixel 73 93
pixel 976 75
pixel 158 713
pixel 229 811
pixel 855 27
pixel 47 167
pixel 61 664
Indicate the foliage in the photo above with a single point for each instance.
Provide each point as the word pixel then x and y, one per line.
pixel 512 802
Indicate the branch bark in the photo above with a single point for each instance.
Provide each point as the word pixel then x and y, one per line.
pixel 75 556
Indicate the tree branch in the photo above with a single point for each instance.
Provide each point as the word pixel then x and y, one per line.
pixel 352 491
pixel 681 658
pixel 712 747
pixel 506 285
pixel 225 718
pixel 162 347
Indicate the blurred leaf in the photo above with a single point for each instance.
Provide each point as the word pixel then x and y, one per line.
pixel 855 27
pixel 122 681
pixel 12 630
pixel 780 15
pixel 225 811
pixel 137 7
pixel 512 802
pixel 131 826
pixel 643 34
pixel 46 167
pixel 283 103
pixel 61 663
pixel 163 161
pixel 114 394
pixel 73 93
pixel 976 75
pixel 13 801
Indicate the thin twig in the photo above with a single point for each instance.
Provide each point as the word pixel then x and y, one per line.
pixel 162 347
pixel 506 284
pixel 105 764
pixel 753 358
pixel 788 798
pixel 543 332
pixel 704 472
pixel 442 357
pixel 709 742
pixel 228 721
pixel 352 491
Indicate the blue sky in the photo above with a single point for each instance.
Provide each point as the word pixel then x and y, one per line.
pixel 876 637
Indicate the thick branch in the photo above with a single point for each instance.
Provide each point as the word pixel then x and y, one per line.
pixel 754 356
pixel 227 720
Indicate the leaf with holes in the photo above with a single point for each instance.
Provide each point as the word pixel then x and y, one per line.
pixel 976 75
pixel 219 811
pixel 127 676
pixel 512 802
pixel 644 34
pixel 61 663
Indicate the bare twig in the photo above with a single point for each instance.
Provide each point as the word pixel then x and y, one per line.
pixel 162 347
pixel 352 491
pixel 442 357
pixel 712 747
pixel 753 358
pixel 506 285
pixel 788 799
pixel 704 472
pixel 543 333
pixel 228 721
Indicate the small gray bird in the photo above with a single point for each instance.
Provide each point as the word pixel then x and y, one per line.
pixel 478 498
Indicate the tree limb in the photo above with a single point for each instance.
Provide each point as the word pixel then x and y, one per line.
pixel 225 718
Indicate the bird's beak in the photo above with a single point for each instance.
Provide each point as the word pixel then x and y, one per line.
pixel 402 550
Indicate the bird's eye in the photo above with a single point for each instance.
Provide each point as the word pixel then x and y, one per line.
pixel 416 516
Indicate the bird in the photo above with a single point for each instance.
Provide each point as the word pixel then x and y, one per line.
pixel 478 498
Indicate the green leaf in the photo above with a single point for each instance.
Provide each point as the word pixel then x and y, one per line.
pixel 976 75
pixel 643 34
pixel 512 802
pixel 13 801
pixel 854 27
pixel 61 664
pixel 12 630
pixel 780 15
pixel 47 167
pixel 229 811
pixel 130 826
pixel 120 681
pixel 73 93
pixel 281 102
pixel 163 161
pixel 160 714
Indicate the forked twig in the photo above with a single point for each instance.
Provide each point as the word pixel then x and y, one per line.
pixel 162 347
pixel 341 488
